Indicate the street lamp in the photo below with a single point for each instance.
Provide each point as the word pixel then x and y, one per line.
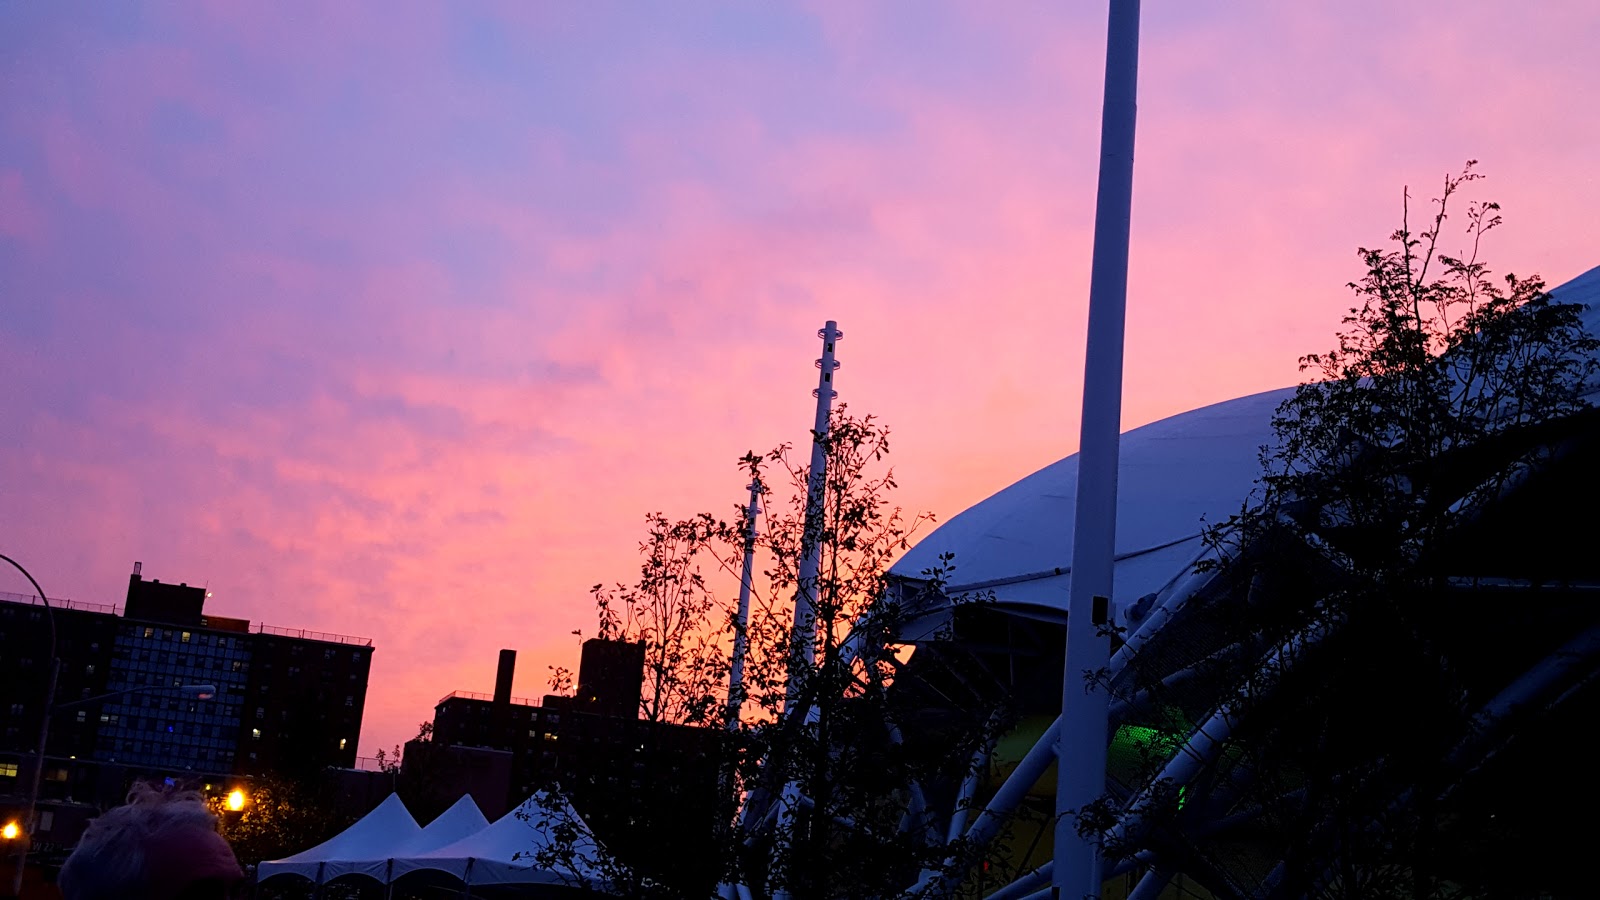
pixel 236 800
pixel 197 691
pixel 44 735
pixel 12 829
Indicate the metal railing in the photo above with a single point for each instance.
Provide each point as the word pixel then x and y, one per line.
pixel 260 628
pixel 304 634
pixel 488 698
pixel 59 603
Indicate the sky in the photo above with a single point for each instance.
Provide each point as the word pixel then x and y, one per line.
pixel 394 319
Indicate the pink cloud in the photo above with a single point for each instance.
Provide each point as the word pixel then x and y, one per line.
pixel 20 218
pixel 393 350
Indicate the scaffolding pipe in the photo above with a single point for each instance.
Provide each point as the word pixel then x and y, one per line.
pixel 741 637
pixel 1206 740
pixel 1026 885
pixel 1152 884
pixel 994 814
pixel 1041 875
pixel 1033 765
pixel 969 789
pixel 1169 606
pixel 1082 745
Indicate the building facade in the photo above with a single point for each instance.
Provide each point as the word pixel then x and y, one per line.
pixel 160 689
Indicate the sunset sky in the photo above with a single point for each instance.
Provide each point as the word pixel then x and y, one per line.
pixel 393 319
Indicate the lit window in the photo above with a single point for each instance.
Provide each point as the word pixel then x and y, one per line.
pixel 47 819
pixel 341 743
pixel 255 734
pixel 83 715
pixel 149 632
pixel 8 770
pixel 186 636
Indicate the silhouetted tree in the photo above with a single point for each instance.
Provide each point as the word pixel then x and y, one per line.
pixel 819 795
pixel 1327 651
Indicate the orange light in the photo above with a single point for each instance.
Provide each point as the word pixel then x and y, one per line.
pixel 11 830
pixel 236 800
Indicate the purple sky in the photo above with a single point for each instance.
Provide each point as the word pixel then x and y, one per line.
pixel 393 319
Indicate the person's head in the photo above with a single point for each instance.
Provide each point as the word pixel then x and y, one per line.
pixel 161 845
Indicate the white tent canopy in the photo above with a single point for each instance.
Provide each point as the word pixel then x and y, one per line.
pixel 506 852
pixel 388 825
pixel 463 818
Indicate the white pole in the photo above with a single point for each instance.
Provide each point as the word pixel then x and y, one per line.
pixel 803 639
pixel 741 639
pixel 1082 744
pixel 805 612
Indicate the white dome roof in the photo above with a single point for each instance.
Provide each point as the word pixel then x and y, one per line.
pixel 1173 474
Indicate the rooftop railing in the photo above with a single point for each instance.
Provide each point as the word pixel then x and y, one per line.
pixel 303 634
pixel 59 603
pixel 488 698
pixel 260 628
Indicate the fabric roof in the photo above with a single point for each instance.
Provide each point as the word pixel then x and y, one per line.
pixel 462 819
pixel 1172 474
pixel 506 851
pixel 388 825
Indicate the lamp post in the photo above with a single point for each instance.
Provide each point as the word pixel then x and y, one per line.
pixel 44 733
pixel 200 691
pixel 29 824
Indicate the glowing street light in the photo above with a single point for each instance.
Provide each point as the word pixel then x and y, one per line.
pixel 11 830
pixel 236 800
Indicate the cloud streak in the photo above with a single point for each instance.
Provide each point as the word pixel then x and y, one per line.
pixel 394 322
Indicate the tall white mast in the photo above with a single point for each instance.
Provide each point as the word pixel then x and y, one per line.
pixel 805 599
pixel 803 639
pixel 1084 720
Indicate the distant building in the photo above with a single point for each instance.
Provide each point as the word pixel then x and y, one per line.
pixel 648 789
pixel 284 700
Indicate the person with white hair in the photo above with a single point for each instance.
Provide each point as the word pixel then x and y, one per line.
pixel 160 845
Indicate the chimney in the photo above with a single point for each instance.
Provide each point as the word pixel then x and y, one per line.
pixel 502 677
